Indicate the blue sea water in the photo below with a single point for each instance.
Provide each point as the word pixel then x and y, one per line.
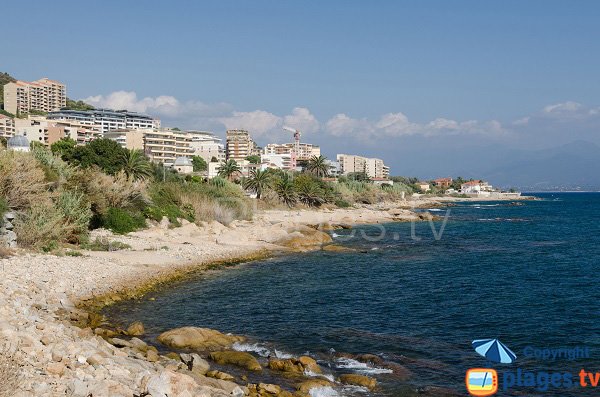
pixel 526 274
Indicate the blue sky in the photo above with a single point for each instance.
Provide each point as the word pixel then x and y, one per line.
pixel 420 73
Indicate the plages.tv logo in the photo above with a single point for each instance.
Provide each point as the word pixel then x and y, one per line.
pixel 483 382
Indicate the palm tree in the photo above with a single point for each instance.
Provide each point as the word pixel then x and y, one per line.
pixel 136 165
pixel 286 192
pixel 258 181
pixel 310 195
pixel 318 166
pixel 229 169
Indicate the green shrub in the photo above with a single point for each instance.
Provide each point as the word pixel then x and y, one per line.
pixel 342 203
pixel 3 206
pixel 104 244
pixel 120 221
pixel 40 226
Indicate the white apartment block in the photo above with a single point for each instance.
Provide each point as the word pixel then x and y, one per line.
pixel 307 150
pixel 7 126
pixel 208 146
pixel 372 167
pixel 108 120
pixel 43 95
pixel 276 161
pixel 240 145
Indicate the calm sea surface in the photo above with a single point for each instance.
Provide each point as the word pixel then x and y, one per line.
pixel 526 274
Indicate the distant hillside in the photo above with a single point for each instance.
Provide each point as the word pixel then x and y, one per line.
pixel 568 167
pixel 5 78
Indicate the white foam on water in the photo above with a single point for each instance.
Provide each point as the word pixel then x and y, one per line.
pixel 334 235
pixel 252 347
pixel 354 389
pixel 282 355
pixel 312 374
pixel 374 248
pixel 323 392
pixel 357 366
pixel 434 209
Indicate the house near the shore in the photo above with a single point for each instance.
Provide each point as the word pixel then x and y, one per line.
pixel 444 183
pixel 476 187
pixel 423 186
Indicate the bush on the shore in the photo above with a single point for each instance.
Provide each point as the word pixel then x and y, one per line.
pixel 120 221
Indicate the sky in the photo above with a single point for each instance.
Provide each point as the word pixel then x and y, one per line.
pixel 420 84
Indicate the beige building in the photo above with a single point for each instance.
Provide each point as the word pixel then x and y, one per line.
pixel 372 167
pixel 40 129
pixel 240 145
pixel 207 145
pixel 43 95
pixel 127 138
pixel 306 150
pixel 7 126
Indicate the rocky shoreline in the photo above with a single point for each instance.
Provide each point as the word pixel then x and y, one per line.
pixel 54 342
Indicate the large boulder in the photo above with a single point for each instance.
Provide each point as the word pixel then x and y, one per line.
pixel 170 384
pixel 295 365
pixel 306 386
pixel 305 239
pixel 198 338
pixel 136 329
pixel 358 380
pixel 240 359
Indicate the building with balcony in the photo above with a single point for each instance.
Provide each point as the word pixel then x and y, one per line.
pixel 107 120
pixel 208 146
pixel 43 95
pixel 305 152
pixel 240 145
pixel 371 167
pixel 7 126
pixel 40 129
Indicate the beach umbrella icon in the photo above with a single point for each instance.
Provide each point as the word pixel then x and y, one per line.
pixel 494 350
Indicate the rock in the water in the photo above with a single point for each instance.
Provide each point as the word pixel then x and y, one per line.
pixel 293 365
pixel 219 375
pixel 241 359
pixel 305 239
pixel 197 338
pixel 358 380
pixel 305 386
pixel 136 329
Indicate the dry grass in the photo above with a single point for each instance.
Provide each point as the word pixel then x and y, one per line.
pixel 22 181
pixel 40 225
pixel 5 252
pixel 105 191
pixel 11 376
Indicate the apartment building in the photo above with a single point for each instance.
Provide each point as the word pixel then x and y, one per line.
pixel 240 145
pixel 306 150
pixel 7 126
pixel 372 167
pixel 276 161
pixel 208 146
pixel 40 129
pixel 107 119
pixel 42 95
pixel 128 139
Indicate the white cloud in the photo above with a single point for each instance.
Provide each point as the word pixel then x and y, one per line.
pixel 398 124
pixel 563 108
pixel 301 119
pixel 258 122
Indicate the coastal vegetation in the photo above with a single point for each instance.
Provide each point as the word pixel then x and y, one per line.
pixel 61 193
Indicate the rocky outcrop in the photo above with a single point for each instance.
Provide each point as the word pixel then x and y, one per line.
pixel 358 380
pixel 8 238
pixel 306 386
pixel 198 339
pixel 240 359
pixel 297 366
pixel 304 238
pixel 136 329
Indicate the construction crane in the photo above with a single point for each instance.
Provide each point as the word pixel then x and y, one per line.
pixel 296 150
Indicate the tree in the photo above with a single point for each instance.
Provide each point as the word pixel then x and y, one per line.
pixel 253 159
pixel 285 191
pixel 63 147
pixel 229 170
pixel 318 165
pixel 214 159
pixel 357 176
pixel 3 142
pixel 105 153
pixel 77 105
pixel 135 165
pixel 199 164
pixel 258 182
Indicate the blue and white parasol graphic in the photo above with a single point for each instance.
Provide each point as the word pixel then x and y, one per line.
pixel 494 350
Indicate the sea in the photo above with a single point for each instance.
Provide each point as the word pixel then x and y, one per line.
pixel 416 295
